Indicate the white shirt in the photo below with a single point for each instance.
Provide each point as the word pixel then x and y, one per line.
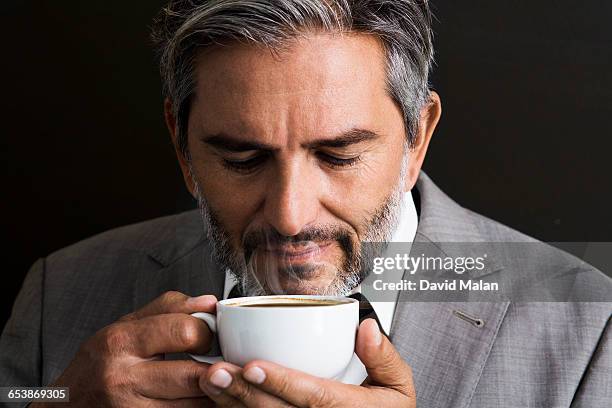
pixel 405 232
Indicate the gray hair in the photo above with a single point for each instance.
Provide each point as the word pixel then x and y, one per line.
pixel 403 26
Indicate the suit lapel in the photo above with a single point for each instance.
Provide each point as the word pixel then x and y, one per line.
pixel 446 353
pixel 193 272
pixel 446 349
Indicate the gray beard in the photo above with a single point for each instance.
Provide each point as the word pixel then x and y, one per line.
pixel 380 227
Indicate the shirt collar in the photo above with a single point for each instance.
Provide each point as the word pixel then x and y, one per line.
pixel 405 232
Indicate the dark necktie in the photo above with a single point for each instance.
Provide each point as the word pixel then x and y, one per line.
pixel 235 292
pixel 366 311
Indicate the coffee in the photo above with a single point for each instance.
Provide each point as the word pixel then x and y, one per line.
pixel 279 302
pixel 292 304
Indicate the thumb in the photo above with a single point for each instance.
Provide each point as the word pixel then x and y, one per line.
pixel 383 363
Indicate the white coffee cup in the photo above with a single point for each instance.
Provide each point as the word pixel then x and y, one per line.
pixel 318 340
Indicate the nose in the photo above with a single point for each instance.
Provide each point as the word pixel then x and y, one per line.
pixel 292 199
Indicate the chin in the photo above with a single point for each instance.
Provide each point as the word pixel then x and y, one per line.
pixel 313 284
pixel 303 278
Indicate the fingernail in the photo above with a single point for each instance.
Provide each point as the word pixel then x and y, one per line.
pixel 199 300
pixel 376 333
pixel 255 375
pixel 221 378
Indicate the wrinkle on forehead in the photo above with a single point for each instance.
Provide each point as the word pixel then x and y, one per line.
pixel 319 87
pixel 320 62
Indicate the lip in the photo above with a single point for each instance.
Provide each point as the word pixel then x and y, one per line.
pixel 296 253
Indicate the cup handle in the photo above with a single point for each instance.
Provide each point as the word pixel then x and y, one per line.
pixel 211 321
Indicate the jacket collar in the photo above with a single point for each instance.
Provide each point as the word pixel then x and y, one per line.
pixel 184 262
pixel 447 225
pixel 446 352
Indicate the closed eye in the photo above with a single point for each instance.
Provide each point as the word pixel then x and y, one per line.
pixel 245 165
pixel 251 164
pixel 338 162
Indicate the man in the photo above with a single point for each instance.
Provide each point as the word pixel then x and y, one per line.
pixel 301 127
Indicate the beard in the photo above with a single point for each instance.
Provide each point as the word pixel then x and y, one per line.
pixel 258 274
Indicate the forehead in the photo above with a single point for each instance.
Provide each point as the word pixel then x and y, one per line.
pixel 324 60
pixel 316 82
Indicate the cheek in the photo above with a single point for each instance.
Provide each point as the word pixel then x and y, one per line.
pixel 234 203
pixel 357 194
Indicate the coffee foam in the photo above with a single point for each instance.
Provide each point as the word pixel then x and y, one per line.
pixel 294 300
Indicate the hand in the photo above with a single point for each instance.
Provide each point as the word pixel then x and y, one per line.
pixel 120 365
pixel 264 384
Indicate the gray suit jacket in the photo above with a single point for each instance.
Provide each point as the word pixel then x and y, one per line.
pixel 525 355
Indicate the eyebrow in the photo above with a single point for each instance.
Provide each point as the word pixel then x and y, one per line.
pixel 232 143
pixel 347 138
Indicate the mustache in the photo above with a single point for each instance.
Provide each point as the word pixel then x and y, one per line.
pixel 266 238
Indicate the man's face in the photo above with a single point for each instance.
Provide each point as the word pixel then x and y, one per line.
pixel 297 157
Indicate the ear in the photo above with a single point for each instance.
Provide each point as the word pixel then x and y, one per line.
pixel 430 115
pixel 173 130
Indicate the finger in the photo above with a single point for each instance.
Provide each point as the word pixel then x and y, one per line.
pixel 168 379
pixel 174 302
pixel 303 390
pixel 300 389
pixel 226 385
pixel 217 396
pixel 172 333
pixel 224 401
pixel 165 333
pixel 383 363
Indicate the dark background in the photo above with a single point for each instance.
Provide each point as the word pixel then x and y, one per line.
pixel 524 137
